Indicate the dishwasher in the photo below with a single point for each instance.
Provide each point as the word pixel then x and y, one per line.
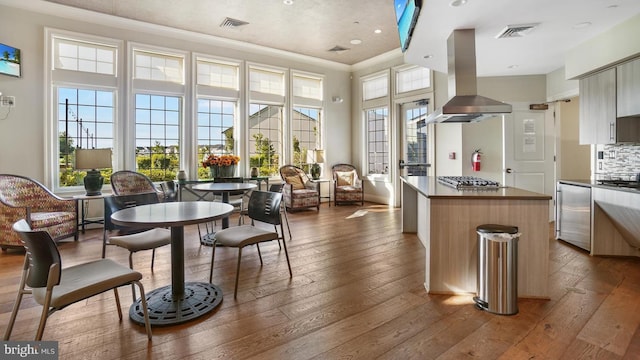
pixel 573 214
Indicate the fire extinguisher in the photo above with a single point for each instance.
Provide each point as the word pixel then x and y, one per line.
pixel 475 160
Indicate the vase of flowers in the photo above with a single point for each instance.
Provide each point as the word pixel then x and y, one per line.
pixel 221 165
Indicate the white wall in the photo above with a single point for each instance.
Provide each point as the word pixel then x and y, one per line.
pixel 22 133
pixel 615 45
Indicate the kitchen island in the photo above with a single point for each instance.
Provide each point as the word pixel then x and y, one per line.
pixel 445 220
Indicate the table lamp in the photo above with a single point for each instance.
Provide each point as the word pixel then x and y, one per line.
pixel 317 157
pixel 91 160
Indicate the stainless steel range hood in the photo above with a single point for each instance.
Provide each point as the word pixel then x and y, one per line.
pixel 465 105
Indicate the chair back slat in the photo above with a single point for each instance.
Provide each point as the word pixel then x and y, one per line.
pixel 42 253
pixel 115 203
pixel 264 206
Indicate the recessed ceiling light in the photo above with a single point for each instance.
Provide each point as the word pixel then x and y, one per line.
pixel 287 2
pixel 356 42
pixel 377 31
pixel 456 3
pixel 582 25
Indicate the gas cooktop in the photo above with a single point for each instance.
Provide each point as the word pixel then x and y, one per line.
pixel 620 183
pixel 468 182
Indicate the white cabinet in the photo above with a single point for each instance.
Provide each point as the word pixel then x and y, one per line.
pixel 628 88
pixel 598 108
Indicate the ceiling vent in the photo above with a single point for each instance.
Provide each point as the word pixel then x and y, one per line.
pixel 512 31
pixel 232 23
pixel 338 49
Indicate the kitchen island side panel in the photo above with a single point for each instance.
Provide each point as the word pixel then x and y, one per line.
pixel 454 245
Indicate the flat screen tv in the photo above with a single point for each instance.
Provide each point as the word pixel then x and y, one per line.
pixel 9 60
pixel 406 16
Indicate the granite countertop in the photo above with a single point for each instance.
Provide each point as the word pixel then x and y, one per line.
pixel 431 188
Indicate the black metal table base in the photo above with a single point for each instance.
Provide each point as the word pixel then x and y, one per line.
pixel 199 298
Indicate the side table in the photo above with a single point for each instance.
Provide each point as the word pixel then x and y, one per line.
pixel 82 209
pixel 320 182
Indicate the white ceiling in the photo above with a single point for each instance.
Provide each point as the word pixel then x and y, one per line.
pixel 312 27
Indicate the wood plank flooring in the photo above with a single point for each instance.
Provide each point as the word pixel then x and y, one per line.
pixel 356 293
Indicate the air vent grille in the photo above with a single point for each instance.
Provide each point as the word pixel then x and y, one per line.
pixel 232 23
pixel 512 31
pixel 338 49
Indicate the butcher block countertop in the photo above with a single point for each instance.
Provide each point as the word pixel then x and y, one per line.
pixel 431 188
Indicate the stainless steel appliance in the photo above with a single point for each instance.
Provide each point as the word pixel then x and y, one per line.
pixel 633 184
pixel 573 214
pixel 468 182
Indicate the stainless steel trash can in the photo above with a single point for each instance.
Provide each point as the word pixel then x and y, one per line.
pixel 497 287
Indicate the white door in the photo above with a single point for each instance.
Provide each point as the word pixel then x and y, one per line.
pixel 529 150
pixel 415 145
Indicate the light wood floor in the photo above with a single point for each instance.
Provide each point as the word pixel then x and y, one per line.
pixel 356 293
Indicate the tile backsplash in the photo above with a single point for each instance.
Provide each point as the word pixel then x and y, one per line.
pixel 618 161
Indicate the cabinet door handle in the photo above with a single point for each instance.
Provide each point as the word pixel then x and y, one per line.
pixel 612 131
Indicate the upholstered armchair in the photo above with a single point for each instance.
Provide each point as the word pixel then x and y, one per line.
pixel 298 190
pixel 127 182
pixel 25 198
pixel 347 185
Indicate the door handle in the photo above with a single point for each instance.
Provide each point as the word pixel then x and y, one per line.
pixel 509 171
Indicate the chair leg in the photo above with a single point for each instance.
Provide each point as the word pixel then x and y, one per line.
pixel 45 315
pixel 143 300
pixel 286 253
pixel 259 253
pixel 133 289
pixel 213 255
pixel 153 257
pixel 16 305
pixel 115 292
pixel 235 292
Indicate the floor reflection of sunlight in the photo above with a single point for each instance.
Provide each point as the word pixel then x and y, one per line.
pixel 358 213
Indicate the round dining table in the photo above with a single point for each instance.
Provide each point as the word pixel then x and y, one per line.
pixel 181 301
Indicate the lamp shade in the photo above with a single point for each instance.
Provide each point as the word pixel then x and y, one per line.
pixel 92 159
pixel 87 159
pixel 319 156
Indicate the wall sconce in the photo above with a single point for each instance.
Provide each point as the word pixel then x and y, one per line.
pixel 337 99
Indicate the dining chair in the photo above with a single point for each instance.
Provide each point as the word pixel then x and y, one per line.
pixel 133 240
pixel 264 207
pixel 55 287
pixel 278 189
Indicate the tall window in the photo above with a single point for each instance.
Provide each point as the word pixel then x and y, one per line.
pixel 306 118
pixel 158 136
pixel 83 82
pixel 266 118
pixel 375 92
pixel 378 140
pixel 413 78
pixel 215 130
pixel 265 134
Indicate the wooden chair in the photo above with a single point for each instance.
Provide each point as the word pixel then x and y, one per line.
pixel 347 185
pixel 25 198
pixel 264 207
pixel 299 191
pixel 55 287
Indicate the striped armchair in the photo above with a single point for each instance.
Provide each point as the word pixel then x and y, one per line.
pixel 127 182
pixel 298 190
pixel 347 186
pixel 25 198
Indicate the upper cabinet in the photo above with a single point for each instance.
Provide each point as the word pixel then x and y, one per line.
pixel 598 108
pixel 628 77
pixel 610 105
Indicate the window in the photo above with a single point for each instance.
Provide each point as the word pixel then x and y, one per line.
pixel 216 120
pixel 160 67
pixel 84 56
pixel 157 120
pixel 266 81
pixel 265 134
pixel 414 78
pixel 85 120
pixel 377 121
pixel 375 87
pixel 217 74
pixel 307 87
pixel 306 135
